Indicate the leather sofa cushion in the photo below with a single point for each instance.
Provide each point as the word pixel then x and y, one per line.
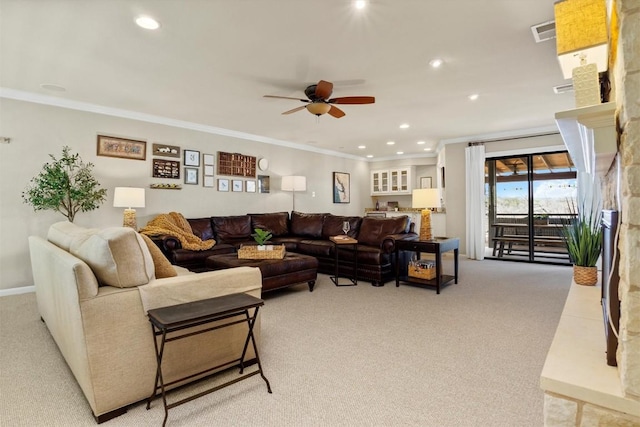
pixel 229 229
pixel 332 225
pixel 201 227
pixel 317 248
pixel 373 230
pixel 277 223
pixel 117 256
pixel 307 225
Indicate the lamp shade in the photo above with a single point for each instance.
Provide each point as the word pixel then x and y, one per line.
pixel 128 197
pixel 425 198
pixel 318 108
pixel 294 183
pixel 581 33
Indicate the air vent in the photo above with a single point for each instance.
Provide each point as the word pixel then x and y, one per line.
pixel 563 88
pixel 545 31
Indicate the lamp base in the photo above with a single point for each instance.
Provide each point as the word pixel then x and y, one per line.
pixel 130 219
pixel 425 225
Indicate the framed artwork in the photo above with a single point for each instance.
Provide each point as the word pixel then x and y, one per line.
pixel 207 181
pixel 208 170
pixel 236 185
pixel 263 183
pixel 341 187
pixel 425 182
pixel 166 150
pixel 223 185
pixel 442 175
pixel 207 159
pixel 191 158
pixel 190 175
pixel 250 186
pixel 111 146
pixel 165 169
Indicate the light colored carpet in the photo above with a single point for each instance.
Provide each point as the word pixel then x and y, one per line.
pixel 348 356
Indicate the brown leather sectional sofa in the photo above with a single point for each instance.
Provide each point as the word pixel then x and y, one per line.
pixel 304 233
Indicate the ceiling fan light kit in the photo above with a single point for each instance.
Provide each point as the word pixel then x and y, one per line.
pixel 319 102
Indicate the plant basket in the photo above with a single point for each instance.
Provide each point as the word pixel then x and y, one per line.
pixel 252 252
pixel 587 276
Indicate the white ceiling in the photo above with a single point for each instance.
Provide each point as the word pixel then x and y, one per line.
pixel 212 61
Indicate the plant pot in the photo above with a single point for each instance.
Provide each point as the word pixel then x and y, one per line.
pixel 587 276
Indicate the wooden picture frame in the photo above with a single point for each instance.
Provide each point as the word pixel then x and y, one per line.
pixel 263 183
pixel 191 158
pixel 191 176
pixel 111 146
pixel 162 168
pixel 223 184
pixel 165 150
pixel 341 187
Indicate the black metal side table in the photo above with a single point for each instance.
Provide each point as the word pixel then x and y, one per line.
pixel 345 241
pixel 234 308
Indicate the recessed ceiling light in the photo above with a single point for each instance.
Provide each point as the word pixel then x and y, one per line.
pixel 52 87
pixel 147 23
pixel 427 149
pixel 421 142
pixel 390 142
pixel 400 152
pixel 474 96
pixel 435 63
pixel 369 156
pixel 360 4
pixel 404 126
pixel 362 147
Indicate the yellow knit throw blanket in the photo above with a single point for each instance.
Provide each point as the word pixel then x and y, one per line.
pixel 175 225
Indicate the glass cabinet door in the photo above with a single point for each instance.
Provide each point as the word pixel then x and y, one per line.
pixel 404 180
pixel 394 180
pixel 384 181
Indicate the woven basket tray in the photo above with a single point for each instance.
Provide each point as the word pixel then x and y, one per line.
pixel 252 252
pixel 422 273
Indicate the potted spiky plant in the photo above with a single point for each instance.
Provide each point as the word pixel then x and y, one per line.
pixel 261 237
pixel 583 238
pixel 65 185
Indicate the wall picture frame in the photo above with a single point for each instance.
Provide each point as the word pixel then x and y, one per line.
pixel 223 184
pixel 208 170
pixel 263 183
pixel 250 186
pixel 425 182
pixel 208 159
pixel 341 187
pixel 162 168
pixel 191 158
pixel 236 185
pixel 208 181
pixel 191 176
pixel 165 150
pixel 124 148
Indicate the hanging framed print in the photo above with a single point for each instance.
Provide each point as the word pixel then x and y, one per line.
pixel 341 187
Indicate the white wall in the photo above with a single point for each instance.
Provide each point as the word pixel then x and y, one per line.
pixel 39 130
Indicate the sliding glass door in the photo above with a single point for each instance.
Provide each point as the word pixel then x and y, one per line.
pixel 528 199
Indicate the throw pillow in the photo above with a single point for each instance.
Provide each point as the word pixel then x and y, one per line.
pixel 162 265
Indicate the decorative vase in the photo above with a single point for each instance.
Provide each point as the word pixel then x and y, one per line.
pixel 587 276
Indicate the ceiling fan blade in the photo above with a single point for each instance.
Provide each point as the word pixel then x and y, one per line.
pixel 295 109
pixel 336 112
pixel 353 100
pixel 285 97
pixel 324 89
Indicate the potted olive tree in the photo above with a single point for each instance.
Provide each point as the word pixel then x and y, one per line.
pixel 583 237
pixel 65 185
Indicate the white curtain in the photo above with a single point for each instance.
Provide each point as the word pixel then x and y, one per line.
pixel 475 201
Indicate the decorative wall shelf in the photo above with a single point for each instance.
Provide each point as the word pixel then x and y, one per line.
pixel 234 164
pixel 166 186
pixel 590 136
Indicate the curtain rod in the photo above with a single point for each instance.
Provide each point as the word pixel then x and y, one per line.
pixel 471 144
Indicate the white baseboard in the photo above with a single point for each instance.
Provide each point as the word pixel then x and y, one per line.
pixel 17 291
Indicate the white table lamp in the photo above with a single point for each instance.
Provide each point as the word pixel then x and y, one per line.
pixel 294 183
pixel 129 198
pixel 425 199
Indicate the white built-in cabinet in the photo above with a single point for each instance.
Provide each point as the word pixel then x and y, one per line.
pixel 391 181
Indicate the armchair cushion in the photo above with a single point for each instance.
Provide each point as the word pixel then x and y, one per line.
pixel 118 256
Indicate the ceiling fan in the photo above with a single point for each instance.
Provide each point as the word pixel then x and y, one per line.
pixel 319 102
